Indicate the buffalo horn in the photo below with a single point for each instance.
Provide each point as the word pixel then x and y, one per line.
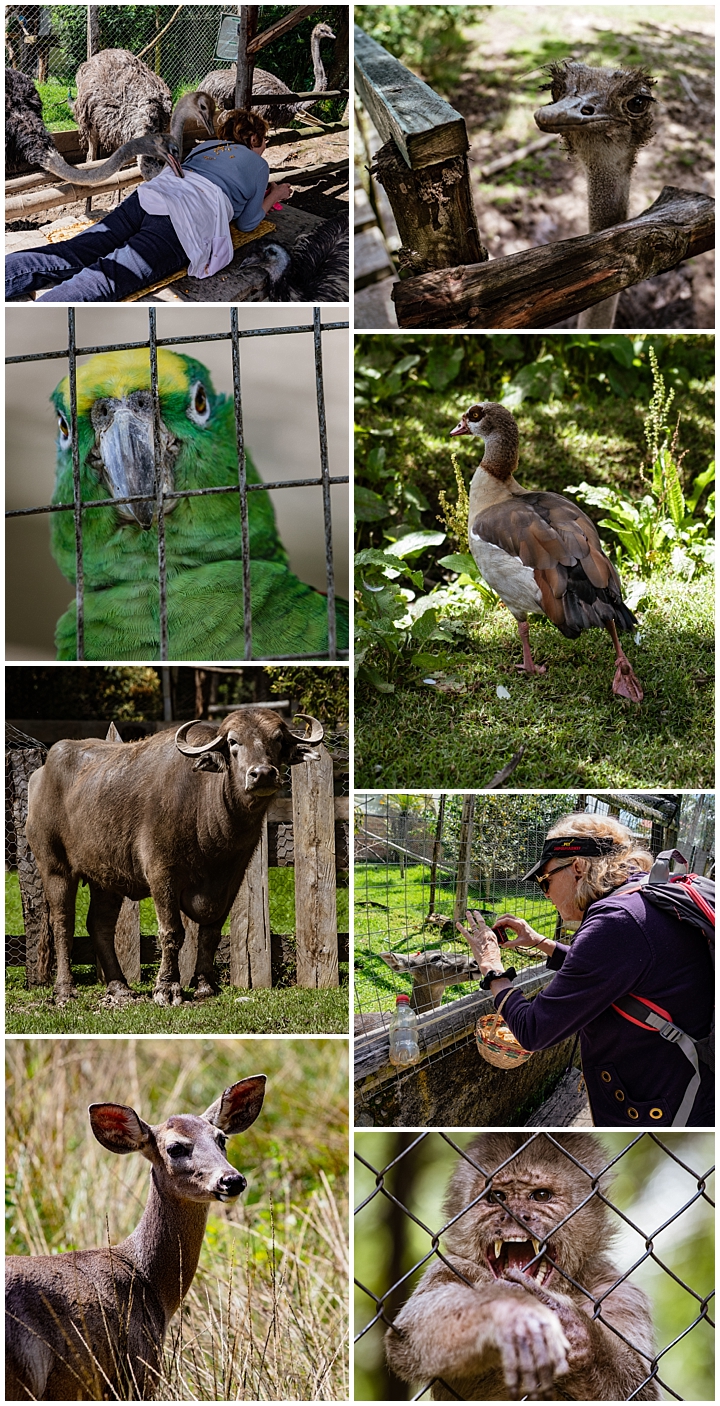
pixel 317 731
pixel 187 750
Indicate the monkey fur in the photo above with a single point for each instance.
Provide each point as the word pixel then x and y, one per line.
pixel 509 1324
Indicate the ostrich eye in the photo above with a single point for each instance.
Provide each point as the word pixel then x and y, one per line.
pixel 542 1193
pixel 636 106
pixel 64 429
pixel 199 408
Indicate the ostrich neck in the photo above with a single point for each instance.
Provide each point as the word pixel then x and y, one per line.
pixel 90 178
pixel 318 69
pixel 608 194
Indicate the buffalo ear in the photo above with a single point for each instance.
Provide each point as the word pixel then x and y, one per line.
pixel 210 761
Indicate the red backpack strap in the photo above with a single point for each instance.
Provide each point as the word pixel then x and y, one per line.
pixel 635 1008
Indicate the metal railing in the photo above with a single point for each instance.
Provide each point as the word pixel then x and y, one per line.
pixel 397 1275
pixel 79 507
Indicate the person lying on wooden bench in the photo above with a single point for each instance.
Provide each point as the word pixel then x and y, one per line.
pixel 164 226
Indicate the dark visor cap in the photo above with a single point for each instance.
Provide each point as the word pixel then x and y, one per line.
pixel 570 847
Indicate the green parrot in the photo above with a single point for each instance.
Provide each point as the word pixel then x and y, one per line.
pixel 202 535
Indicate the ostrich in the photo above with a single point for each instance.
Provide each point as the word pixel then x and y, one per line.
pixel 119 97
pixel 221 84
pixel 316 270
pixel 604 118
pixel 27 139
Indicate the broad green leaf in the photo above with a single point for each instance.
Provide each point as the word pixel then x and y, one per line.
pixel 461 562
pixel 414 542
pixel 369 506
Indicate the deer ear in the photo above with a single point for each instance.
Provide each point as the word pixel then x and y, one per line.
pixel 238 1106
pixel 118 1127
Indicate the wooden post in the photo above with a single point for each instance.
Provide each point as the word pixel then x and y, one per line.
pixel 247 30
pixel 315 894
pixel 463 870
pixel 39 943
pixel 423 164
pixel 127 928
pixel 436 852
pixel 250 950
pixel 93 30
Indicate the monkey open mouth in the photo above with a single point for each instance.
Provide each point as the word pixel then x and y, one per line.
pixel 517 1254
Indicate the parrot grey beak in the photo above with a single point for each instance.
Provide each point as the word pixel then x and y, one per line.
pixel 462 427
pixel 126 447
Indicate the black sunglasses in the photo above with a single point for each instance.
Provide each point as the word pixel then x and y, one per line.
pixel 544 881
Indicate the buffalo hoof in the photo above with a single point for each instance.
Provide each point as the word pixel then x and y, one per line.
pixel 63 994
pixel 117 996
pixel 204 988
pixel 169 994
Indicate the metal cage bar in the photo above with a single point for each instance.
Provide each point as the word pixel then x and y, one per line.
pixel 78 507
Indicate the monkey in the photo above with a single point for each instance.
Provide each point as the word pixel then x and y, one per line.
pixel 508 1313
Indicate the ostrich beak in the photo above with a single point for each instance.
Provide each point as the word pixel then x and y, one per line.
pixel 172 154
pixel 462 427
pixel 579 110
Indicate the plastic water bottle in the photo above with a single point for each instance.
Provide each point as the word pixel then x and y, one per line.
pixel 404 1047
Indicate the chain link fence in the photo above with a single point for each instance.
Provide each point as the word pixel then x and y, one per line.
pixel 177 42
pixel 315 327
pixel 661 1220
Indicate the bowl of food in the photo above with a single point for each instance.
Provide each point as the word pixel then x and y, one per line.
pixel 497 1044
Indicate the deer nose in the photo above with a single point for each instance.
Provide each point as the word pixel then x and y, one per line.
pixel 231 1184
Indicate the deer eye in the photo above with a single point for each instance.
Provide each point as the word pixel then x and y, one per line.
pixel 64 429
pixel 636 106
pixel 199 407
pixel 178 1149
pixel 542 1193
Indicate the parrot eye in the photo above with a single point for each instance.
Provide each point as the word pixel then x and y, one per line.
pixel 64 428
pixel 199 408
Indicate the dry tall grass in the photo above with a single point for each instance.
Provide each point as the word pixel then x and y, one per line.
pixel 266 1316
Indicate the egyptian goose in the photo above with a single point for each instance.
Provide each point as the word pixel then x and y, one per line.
pixel 539 551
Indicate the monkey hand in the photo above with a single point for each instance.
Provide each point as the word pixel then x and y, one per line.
pixel 579 1330
pixel 532 1347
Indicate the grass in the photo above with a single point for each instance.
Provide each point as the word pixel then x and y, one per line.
pixel 575 733
pixel 266 1316
pixel 56 113
pixel 260 1011
pixel 390 910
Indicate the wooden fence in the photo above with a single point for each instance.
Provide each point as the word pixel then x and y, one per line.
pixel 309 831
pixel 446 277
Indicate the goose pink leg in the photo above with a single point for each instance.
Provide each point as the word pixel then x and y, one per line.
pixel 626 684
pixel 528 665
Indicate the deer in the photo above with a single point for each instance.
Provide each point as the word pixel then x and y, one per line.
pixel 90 1324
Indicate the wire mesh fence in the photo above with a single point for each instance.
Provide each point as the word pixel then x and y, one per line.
pixel 422 860
pixel 163 500
pixel 177 42
pixel 657 1216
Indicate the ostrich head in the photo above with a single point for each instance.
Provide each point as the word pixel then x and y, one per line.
pixel 595 108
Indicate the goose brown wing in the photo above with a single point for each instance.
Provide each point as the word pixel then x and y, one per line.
pixel 578 584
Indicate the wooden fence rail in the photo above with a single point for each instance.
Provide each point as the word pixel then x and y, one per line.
pixel 309 831
pixel 446 277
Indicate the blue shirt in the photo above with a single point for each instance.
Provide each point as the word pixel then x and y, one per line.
pixel 240 172
pixel 623 945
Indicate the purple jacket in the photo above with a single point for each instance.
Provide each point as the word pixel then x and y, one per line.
pixel 634 1078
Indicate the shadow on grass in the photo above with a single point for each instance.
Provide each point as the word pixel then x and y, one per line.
pixel 575 733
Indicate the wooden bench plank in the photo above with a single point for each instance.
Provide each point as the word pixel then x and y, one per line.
pixel 423 126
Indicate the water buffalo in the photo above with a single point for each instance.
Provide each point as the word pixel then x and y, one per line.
pixel 174 818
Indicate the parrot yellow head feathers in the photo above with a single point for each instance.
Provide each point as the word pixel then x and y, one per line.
pixel 197 446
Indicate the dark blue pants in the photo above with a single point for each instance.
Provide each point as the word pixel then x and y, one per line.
pixel 126 251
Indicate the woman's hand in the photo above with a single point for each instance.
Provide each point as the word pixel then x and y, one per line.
pixel 527 937
pixel 482 943
pixel 280 192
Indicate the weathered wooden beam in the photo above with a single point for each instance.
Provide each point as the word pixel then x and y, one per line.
pixel 29 202
pixel 245 65
pixel 274 31
pixel 433 209
pixel 539 287
pixel 405 110
pixel 267 99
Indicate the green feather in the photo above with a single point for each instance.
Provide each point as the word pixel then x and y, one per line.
pixel 202 537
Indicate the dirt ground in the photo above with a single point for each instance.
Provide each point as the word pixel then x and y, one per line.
pixel 324 156
pixel 541 199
